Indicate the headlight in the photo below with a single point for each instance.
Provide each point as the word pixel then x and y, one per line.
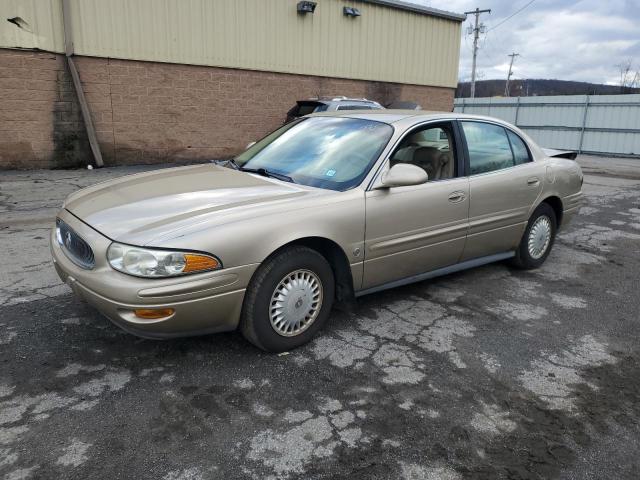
pixel 146 262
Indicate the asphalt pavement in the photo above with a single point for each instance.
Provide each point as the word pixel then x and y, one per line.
pixel 489 373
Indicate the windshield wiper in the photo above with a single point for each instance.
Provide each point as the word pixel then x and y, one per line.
pixel 268 173
pixel 231 163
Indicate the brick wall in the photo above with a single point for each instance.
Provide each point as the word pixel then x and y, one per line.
pixel 146 112
pixel 40 121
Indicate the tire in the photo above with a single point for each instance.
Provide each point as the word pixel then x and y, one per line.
pixel 264 322
pixel 527 258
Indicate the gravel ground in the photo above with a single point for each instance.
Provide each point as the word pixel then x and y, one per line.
pixel 489 373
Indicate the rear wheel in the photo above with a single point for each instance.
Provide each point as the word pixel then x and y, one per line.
pixel 288 299
pixel 538 238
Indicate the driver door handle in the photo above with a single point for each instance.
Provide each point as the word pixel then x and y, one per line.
pixel 457 197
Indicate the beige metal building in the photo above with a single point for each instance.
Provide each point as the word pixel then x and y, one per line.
pixel 172 80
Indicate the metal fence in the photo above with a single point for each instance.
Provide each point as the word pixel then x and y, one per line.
pixel 598 124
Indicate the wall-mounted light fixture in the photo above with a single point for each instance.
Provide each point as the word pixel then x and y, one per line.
pixel 306 7
pixel 351 12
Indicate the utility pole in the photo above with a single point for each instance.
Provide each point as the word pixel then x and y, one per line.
pixel 476 34
pixel 506 87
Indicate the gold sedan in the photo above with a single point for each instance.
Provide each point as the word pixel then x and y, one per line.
pixel 324 209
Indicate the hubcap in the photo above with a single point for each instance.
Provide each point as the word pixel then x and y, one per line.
pixel 295 303
pixel 539 237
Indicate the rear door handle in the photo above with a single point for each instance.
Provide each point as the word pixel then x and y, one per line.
pixel 456 197
pixel 533 181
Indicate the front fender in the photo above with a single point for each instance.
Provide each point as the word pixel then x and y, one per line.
pixel 339 218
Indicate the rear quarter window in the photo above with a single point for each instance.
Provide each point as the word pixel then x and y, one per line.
pixel 520 151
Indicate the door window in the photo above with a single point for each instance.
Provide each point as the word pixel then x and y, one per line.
pixel 430 148
pixel 488 146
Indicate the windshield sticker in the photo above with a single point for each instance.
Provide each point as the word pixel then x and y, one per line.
pixel 330 173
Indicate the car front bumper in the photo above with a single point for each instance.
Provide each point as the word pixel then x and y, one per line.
pixel 203 303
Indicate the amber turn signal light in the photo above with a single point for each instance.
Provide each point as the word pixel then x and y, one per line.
pixel 153 314
pixel 199 263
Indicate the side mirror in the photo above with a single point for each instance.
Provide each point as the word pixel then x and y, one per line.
pixel 403 175
pixel 249 145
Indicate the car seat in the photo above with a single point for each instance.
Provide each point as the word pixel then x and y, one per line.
pixel 435 162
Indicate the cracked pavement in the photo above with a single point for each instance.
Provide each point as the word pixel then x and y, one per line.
pixel 484 374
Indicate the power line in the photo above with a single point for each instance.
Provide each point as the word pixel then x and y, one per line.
pixel 476 34
pixel 511 16
pixel 506 87
pixel 486 48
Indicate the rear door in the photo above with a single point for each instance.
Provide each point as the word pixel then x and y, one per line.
pixel 504 183
pixel 415 229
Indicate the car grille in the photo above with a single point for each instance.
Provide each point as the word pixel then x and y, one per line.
pixel 72 244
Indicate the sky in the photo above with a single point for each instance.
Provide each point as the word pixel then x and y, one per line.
pixel 559 39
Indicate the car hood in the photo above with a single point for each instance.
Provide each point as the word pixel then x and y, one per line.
pixel 141 208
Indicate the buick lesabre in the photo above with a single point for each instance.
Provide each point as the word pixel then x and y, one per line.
pixel 325 209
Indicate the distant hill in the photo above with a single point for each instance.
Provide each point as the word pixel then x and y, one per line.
pixel 539 87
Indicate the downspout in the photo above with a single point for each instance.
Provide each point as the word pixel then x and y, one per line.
pixel 84 107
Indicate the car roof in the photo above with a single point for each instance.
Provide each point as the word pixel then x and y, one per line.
pixel 410 116
pixel 386 116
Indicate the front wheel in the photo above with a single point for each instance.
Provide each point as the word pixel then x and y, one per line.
pixel 538 238
pixel 288 299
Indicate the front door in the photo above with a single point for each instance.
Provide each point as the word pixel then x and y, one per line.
pixel 504 182
pixel 415 229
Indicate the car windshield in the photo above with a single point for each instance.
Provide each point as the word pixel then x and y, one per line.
pixel 327 152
